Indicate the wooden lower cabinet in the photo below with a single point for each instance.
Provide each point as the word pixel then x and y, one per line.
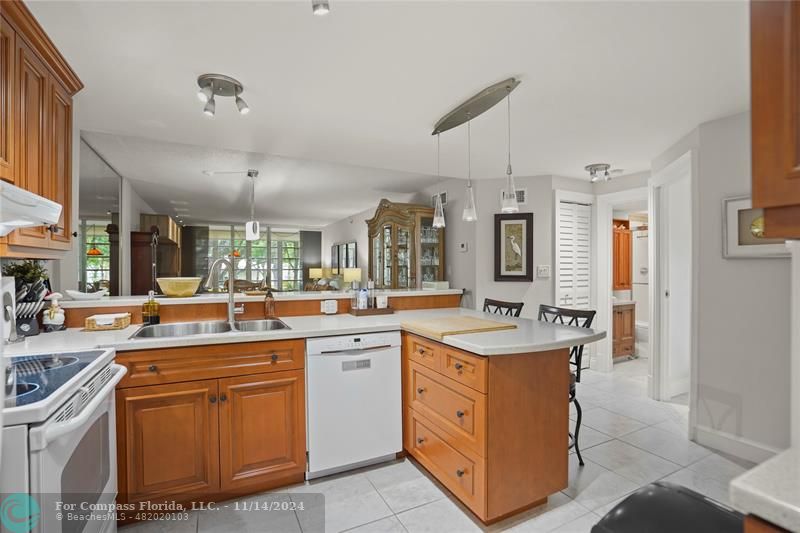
pixel 262 429
pixel 231 433
pixel 493 430
pixel 170 443
pixel 624 330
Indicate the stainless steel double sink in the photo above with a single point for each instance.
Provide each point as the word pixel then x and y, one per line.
pixel 187 329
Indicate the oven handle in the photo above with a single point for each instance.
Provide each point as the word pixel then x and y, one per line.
pixel 55 431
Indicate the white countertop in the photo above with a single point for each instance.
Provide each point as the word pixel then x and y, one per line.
pixel 529 336
pixel 220 298
pixel 624 302
pixel 771 490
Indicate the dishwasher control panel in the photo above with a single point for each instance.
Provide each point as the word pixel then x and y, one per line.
pixel 346 343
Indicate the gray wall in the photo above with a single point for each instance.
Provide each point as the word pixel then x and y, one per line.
pixel 742 304
pixel 352 228
pixel 311 248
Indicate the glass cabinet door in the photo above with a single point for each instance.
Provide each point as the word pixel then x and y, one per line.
pixel 430 250
pixel 405 245
pixel 388 260
pixel 377 260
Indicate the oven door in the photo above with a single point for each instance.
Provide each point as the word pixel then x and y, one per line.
pixel 74 462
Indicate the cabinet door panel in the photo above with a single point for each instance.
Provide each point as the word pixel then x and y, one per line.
pixel 32 143
pixel 262 429
pixel 169 441
pixel 8 99
pixel 60 163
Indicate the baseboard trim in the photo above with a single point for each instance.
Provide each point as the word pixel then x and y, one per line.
pixel 741 447
pixel 678 387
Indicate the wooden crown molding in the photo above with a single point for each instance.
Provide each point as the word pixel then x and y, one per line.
pixel 19 16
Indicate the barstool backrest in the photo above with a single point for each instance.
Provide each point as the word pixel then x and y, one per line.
pixel 581 318
pixel 499 307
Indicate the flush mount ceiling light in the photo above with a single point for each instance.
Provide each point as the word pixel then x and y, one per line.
pixel 320 7
pixel 213 85
pixel 601 171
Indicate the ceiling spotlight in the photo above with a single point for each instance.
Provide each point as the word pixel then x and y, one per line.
pixel 242 106
pixel 320 7
pixel 598 171
pixel 205 93
pixel 210 108
pixel 213 86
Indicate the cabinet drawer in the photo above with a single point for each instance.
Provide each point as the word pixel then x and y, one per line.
pixel 455 408
pixel 467 369
pixel 461 474
pixel 171 365
pixel 423 351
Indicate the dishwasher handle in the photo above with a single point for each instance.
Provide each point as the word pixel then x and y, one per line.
pixel 356 351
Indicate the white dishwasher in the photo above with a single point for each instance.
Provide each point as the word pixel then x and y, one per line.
pixel 353 401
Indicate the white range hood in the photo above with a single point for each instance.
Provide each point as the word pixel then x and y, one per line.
pixel 23 209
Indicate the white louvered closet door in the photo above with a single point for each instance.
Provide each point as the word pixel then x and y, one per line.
pixel 574 255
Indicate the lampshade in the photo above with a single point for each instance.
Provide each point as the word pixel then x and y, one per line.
pixel 315 273
pixel 351 274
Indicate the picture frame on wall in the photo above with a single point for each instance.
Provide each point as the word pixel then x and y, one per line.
pixel 743 232
pixel 513 247
pixel 335 259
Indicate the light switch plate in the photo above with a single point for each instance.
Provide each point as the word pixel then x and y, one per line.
pixel 543 271
pixel 463 247
pixel 328 307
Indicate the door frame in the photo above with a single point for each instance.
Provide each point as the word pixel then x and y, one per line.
pixel 604 267
pixel 658 386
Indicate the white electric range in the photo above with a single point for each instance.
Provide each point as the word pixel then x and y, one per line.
pixel 59 442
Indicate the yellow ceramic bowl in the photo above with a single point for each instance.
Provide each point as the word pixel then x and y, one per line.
pixel 179 287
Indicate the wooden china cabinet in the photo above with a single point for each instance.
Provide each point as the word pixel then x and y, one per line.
pixel 775 115
pixel 404 247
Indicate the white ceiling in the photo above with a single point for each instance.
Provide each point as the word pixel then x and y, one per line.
pixel 601 81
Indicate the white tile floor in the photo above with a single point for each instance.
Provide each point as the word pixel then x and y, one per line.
pixel 627 441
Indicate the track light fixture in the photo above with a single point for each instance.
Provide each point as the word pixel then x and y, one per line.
pixel 598 171
pixel 213 85
pixel 320 7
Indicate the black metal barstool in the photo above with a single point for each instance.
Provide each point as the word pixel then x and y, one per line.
pixel 583 319
pixel 499 307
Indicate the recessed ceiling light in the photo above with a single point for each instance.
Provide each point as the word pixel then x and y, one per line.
pixel 320 7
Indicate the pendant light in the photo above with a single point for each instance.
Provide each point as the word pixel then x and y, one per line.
pixel 94 250
pixel 509 204
pixel 438 211
pixel 470 214
pixel 252 231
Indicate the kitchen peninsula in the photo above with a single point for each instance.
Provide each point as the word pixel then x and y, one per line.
pixel 515 381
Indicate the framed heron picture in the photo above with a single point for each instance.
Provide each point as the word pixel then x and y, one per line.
pixel 513 247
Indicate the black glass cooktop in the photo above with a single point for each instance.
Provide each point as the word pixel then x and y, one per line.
pixel 39 376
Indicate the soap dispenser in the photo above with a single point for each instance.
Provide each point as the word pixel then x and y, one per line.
pixel 151 310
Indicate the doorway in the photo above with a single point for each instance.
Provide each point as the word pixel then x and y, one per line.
pixel 672 287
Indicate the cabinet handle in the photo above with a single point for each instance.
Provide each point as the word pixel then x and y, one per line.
pixel 460 414
pixel 420 440
pixel 223 397
pixel 212 399
pixel 458 366
pixel 460 473
pixel 420 390
pixel 74 233
pixel 152 368
pixel 52 228
pixel 274 358
pixel 421 350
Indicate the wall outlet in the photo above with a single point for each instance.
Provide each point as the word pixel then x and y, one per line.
pixel 328 307
pixel 543 271
pixel 463 247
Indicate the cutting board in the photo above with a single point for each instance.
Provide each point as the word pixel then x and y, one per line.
pixel 454 325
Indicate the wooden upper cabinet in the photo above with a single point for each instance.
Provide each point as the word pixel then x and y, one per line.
pixel 36 90
pixel 623 261
pixel 262 430
pixel 8 100
pixel 32 140
pixel 59 175
pixel 775 118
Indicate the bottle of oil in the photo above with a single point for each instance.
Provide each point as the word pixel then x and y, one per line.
pixel 150 310
pixel 269 305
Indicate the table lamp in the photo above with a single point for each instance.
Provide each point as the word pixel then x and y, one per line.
pixel 352 276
